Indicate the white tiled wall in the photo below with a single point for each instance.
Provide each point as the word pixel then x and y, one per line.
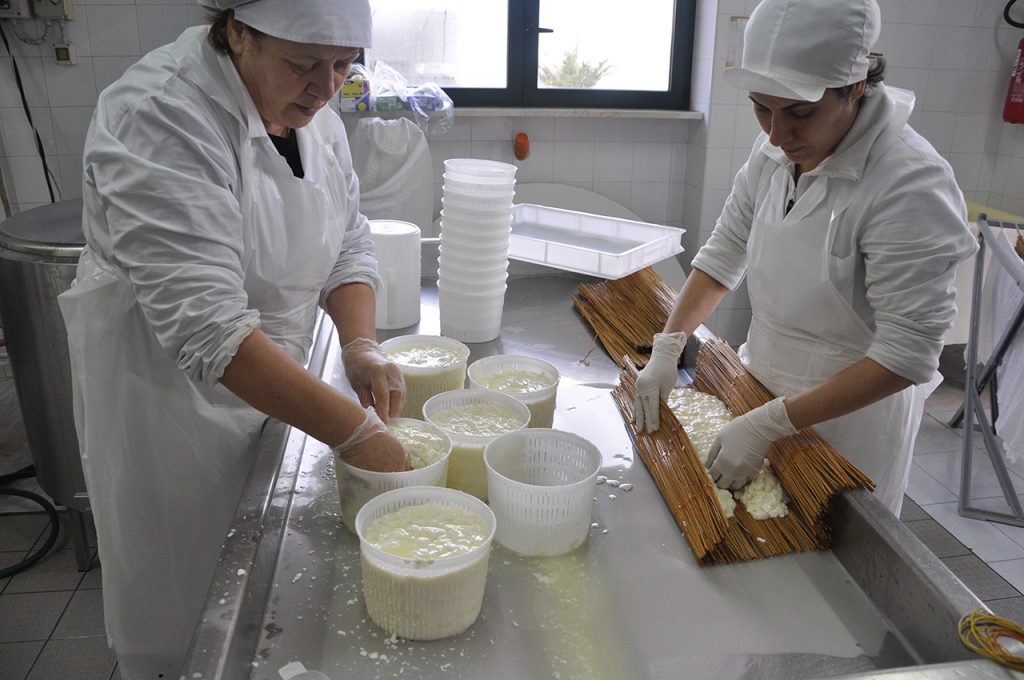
pixel 955 54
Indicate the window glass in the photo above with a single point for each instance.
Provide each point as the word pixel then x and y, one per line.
pixel 454 43
pixel 605 44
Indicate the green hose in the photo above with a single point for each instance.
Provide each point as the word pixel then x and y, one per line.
pixel 46 505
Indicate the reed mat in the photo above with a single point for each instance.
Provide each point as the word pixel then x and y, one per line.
pixel 810 471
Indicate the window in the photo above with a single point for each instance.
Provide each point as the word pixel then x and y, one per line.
pixel 541 53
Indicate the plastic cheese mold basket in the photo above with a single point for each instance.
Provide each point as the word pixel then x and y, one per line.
pixel 589 244
pixel 540 486
pixel 423 599
pixel 423 382
pixel 541 402
pixel 357 486
pixel 466 470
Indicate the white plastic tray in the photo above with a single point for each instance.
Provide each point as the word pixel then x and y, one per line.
pixel 589 244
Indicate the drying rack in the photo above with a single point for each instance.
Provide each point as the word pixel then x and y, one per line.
pixel 980 377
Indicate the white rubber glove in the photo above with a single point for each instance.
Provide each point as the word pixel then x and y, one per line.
pixel 657 379
pixel 740 448
pixel 376 379
pixel 372 447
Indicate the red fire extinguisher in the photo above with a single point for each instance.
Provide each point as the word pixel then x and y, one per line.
pixel 1013 111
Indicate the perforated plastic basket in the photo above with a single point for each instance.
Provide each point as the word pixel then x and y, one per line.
pixel 423 382
pixel 357 486
pixel 466 465
pixel 423 599
pixel 541 402
pixel 541 485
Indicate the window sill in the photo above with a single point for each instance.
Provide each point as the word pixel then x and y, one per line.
pixel 502 112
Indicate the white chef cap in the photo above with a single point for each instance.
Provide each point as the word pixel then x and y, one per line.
pixel 342 23
pixel 797 48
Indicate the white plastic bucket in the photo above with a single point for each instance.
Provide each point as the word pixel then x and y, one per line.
pixel 397 244
pixel 541 485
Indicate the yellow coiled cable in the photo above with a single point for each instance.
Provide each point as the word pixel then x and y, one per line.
pixel 981 631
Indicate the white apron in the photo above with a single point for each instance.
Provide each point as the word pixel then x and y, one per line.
pixel 165 458
pixel 803 331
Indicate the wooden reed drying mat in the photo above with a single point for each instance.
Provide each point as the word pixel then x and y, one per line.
pixel 626 313
pixel 809 470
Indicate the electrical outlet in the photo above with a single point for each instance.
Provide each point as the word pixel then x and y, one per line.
pixel 53 9
pixel 64 54
pixel 14 9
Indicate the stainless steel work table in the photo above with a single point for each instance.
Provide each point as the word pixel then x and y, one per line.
pixel 631 603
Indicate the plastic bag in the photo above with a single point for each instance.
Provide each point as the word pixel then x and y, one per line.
pixel 432 109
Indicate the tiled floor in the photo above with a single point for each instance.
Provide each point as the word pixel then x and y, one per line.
pixel 51 616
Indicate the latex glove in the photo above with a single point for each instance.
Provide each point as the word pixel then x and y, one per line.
pixel 740 448
pixel 372 447
pixel 657 379
pixel 376 379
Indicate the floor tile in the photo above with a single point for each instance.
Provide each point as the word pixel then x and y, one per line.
pixel 980 578
pixel 20 531
pixel 947 396
pixel 83 617
pixel 947 470
pixel 983 538
pixel 55 571
pixel 116 675
pixel 94 577
pixel 924 490
pixel 939 541
pixel 9 559
pixel 16 658
pixel 935 437
pixel 1012 571
pixel 1011 608
pixel 76 659
pixel 31 616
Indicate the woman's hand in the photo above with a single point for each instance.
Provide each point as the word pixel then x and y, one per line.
pixel 372 447
pixel 376 379
pixel 741 446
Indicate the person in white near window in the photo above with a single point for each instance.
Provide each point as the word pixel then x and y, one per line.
pixel 221 209
pixel 849 227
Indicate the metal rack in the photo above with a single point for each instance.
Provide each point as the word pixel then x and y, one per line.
pixel 978 378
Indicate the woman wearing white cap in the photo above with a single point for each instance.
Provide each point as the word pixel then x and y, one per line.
pixel 220 209
pixel 849 227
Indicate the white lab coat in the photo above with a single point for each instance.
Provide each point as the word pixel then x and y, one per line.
pixel 198 233
pixel 862 265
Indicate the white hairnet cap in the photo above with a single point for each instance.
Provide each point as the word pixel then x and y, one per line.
pixel 342 23
pixel 797 48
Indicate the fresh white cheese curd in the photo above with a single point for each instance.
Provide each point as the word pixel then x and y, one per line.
pixel 466 469
pixel 429 531
pixel 703 416
pixel 432 601
pixel 520 382
pixel 424 356
pixel 428 370
pixel 516 380
pixel 423 446
pixel 764 497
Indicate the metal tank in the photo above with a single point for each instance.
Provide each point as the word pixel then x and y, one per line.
pixel 39 251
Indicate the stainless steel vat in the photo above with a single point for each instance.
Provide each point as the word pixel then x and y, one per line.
pixel 39 251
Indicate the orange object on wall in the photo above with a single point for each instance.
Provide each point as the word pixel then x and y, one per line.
pixel 521 146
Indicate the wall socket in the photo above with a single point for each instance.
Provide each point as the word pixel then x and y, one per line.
pixel 64 54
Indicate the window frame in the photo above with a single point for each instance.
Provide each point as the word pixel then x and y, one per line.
pixel 522 59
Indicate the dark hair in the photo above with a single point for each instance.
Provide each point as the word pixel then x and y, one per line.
pixel 876 74
pixel 218 35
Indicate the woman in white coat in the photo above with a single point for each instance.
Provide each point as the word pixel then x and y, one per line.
pixel 849 227
pixel 221 209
